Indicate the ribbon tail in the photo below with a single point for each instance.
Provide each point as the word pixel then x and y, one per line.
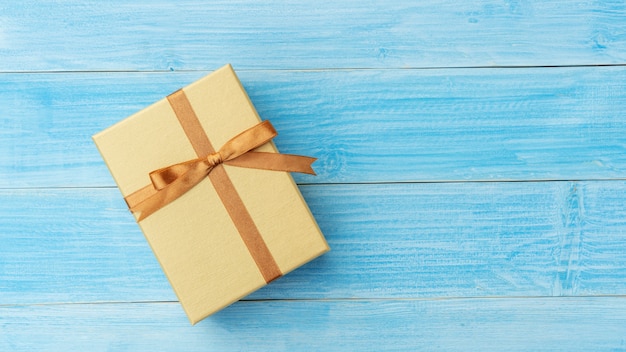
pixel 171 191
pixel 274 162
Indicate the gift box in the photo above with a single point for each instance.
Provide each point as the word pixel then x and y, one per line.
pixel 212 195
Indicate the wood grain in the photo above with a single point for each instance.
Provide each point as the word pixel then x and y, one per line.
pixel 388 241
pixel 511 324
pixel 472 162
pixel 80 35
pixel 363 125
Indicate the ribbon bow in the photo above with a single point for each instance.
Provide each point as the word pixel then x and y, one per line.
pixel 173 181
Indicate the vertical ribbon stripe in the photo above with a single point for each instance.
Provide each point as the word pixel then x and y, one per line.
pixel 225 189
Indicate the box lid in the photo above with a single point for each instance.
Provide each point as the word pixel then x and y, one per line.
pixel 199 248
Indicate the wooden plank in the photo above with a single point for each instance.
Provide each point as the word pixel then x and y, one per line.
pixel 363 125
pixel 188 35
pixel 511 324
pixel 394 240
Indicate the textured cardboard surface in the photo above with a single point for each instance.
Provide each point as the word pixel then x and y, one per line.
pixel 194 238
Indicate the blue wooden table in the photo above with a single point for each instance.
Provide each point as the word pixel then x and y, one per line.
pixel 472 172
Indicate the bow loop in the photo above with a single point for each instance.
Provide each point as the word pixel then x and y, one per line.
pixel 247 140
pixel 162 177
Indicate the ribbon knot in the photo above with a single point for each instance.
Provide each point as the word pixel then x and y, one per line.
pixel 171 182
pixel 214 159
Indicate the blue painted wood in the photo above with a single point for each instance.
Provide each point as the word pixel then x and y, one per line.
pixel 388 241
pixel 163 35
pixel 448 265
pixel 508 324
pixel 363 125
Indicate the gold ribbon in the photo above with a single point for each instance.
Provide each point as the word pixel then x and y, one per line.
pixel 173 181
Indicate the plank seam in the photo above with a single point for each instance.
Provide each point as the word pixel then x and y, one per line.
pixel 323 69
pixel 362 299
pixel 353 183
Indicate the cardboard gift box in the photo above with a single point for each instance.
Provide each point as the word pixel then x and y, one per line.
pixel 211 193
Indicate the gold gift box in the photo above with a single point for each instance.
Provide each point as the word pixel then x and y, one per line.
pixel 201 250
